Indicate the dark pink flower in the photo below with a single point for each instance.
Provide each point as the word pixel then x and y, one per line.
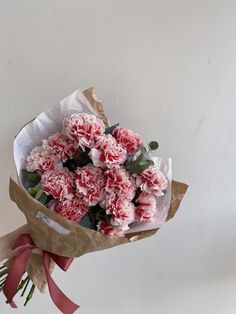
pixel 73 209
pixel 152 180
pixel 58 183
pixel 119 182
pixel 90 183
pixel 61 146
pixel 129 140
pixel 107 152
pixel 84 129
pixel 146 207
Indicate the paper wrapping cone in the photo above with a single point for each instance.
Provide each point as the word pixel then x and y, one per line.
pixel 51 232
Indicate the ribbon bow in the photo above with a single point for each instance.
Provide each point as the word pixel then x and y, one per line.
pixel 23 248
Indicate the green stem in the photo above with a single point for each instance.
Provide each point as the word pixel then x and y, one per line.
pixel 27 283
pixel 4 272
pixel 2 267
pixel 21 286
pixel 29 296
pixel 2 285
pixel 2 281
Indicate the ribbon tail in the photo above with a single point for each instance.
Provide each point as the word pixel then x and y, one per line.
pixel 62 261
pixel 62 302
pixel 15 274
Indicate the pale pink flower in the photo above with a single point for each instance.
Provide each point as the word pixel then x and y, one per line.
pixel 61 146
pixel 58 183
pixel 121 209
pixel 73 209
pixel 90 183
pixel 109 230
pixel 129 140
pixel 107 152
pixel 41 158
pixel 84 129
pixel 120 182
pixel 146 207
pixel 151 180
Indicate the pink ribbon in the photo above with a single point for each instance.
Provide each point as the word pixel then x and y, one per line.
pixel 23 248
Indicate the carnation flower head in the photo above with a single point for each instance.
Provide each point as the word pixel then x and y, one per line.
pixel 84 129
pixel 61 146
pixel 120 182
pixel 122 211
pixel 107 229
pixel 41 158
pixel 152 180
pixel 146 207
pixel 58 183
pixel 129 140
pixel 90 183
pixel 107 152
pixel 72 209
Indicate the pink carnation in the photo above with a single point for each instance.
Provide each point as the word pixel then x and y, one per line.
pixel 61 146
pixel 109 230
pixel 41 158
pixel 122 211
pixel 73 209
pixel 58 183
pixel 107 152
pixel 90 183
pixel 129 140
pixel 84 128
pixel 152 180
pixel 119 182
pixel 146 208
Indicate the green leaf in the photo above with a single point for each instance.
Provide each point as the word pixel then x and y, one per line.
pixel 79 159
pixel 39 194
pixel 151 162
pixel 143 150
pixel 97 216
pixel 153 145
pixel 44 199
pixel 34 190
pixel 33 177
pixel 140 167
pixel 31 192
pixel 87 222
pixel 110 129
pixel 30 179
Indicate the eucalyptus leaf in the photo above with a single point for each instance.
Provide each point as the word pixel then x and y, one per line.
pixel 39 194
pixel 32 192
pixel 33 177
pixel 143 150
pixel 151 162
pixel 140 168
pixel 79 159
pixel 44 199
pixel 87 222
pixel 153 145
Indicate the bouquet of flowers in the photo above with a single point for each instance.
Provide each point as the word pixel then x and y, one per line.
pixel 83 186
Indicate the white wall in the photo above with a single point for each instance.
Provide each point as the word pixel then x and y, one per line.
pixel 166 68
